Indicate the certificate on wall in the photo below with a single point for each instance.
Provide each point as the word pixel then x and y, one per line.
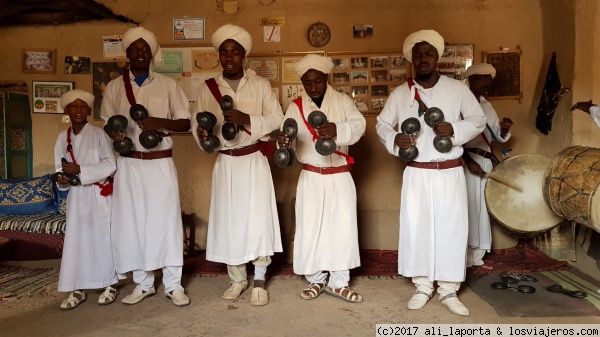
pixel 111 47
pixel 173 62
pixel 290 93
pixel 188 29
pixel 267 68
pixel 289 71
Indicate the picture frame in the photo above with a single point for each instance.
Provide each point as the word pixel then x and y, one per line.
pixel 38 61
pixel 362 31
pixel 370 76
pixel 455 60
pixel 46 96
pixel 508 81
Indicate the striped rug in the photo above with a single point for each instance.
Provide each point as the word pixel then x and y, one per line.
pixel 17 282
pixel 575 280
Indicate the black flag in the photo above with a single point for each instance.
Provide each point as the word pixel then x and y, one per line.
pixel 550 98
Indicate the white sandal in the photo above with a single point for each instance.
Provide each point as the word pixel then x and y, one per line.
pixel 108 296
pixel 73 302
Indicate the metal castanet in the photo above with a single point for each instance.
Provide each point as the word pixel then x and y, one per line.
pixel 411 126
pixel 228 130
pixel 442 143
pixel 324 147
pixel 149 139
pixel 316 118
pixel 138 112
pixel 285 156
pixel 72 178
pixel 118 124
pixel 433 116
pixel 207 121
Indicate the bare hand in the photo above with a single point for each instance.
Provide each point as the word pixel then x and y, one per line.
pixel 202 134
pixel 584 106
pixel 404 141
pixel 282 139
pixel 443 129
pixel 236 117
pixel 474 168
pixel 327 131
pixel 62 179
pixel 151 124
pixel 506 123
pixel 72 168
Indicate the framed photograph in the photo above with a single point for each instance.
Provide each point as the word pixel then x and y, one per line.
pixel 359 76
pixel 361 105
pixel 507 83
pixel 341 78
pixel 102 73
pixel 379 62
pixel 362 31
pixel 343 90
pixel 379 76
pixel 35 61
pixel 397 61
pixel 455 60
pixel 360 90
pixel 46 96
pixel 379 90
pixel 341 64
pixel 360 62
pixel 77 65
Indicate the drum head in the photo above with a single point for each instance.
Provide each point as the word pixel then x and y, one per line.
pixel 520 213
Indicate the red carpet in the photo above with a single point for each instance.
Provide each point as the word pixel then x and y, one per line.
pixel 374 263
pixel 525 257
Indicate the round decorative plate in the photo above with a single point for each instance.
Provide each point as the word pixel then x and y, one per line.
pixel 318 34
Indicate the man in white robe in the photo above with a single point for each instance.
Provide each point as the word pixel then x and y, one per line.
pixel 433 213
pixel 478 162
pixel 87 259
pixel 326 239
pixel 243 224
pixel 147 230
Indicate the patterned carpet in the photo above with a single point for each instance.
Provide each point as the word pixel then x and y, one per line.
pixel 17 282
pixel 375 264
pixel 525 257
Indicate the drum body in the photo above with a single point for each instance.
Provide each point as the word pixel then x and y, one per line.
pixel 520 213
pixel 571 184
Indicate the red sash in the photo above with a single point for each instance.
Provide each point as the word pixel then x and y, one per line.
pixel 267 149
pixel 106 188
pixel 131 97
pixel 313 132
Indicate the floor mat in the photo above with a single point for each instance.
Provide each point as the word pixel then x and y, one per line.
pixel 374 264
pixel 17 282
pixel 525 257
pixel 542 303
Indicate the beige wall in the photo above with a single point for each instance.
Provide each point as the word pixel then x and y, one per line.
pixel 537 27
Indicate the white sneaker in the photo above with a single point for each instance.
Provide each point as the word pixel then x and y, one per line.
pixel 418 300
pixel 235 290
pixel 138 295
pixel 454 304
pixel 179 297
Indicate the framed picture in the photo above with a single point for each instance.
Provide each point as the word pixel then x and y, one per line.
pixel 36 61
pixel 102 73
pixel 455 60
pixel 362 31
pixel 507 83
pixel 46 96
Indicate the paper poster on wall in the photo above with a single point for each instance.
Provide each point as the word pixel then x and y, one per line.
pixel 290 92
pixel 188 29
pixel 111 47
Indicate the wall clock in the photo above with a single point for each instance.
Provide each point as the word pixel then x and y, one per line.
pixel 318 34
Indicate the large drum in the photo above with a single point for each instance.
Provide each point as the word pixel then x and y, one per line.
pixel 570 185
pixel 522 213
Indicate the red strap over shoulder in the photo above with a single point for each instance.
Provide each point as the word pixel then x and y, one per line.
pixel 214 89
pixel 128 88
pixel 313 132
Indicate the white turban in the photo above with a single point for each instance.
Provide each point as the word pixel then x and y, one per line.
pixel 430 36
pixel 323 64
pixel 232 32
pixel 70 97
pixel 481 69
pixel 133 34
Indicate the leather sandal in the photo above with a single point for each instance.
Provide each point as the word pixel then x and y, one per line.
pixel 108 296
pixel 74 300
pixel 313 291
pixel 344 293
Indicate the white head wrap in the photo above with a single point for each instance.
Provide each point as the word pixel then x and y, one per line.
pixel 430 36
pixel 323 64
pixel 232 32
pixel 133 34
pixel 481 69
pixel 70 97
